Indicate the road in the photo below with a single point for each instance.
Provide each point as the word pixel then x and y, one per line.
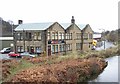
pixel 107 45
pixel 4 56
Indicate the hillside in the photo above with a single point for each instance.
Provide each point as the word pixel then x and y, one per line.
pixel 6 28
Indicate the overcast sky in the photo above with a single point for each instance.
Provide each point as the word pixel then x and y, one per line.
pixel 98 13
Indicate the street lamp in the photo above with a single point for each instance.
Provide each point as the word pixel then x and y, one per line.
pixel 103 36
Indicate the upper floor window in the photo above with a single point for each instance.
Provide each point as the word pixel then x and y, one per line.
pixel 35 36
pixel 85 36
pixel 60 35
pixel 39 36
pixel 90 36
pixel 70 35
pixel 56 35
pixel 18 36
pixel 53 35
pixel 30 36
pixel 78 35
pixel 48 35
pixel 66 35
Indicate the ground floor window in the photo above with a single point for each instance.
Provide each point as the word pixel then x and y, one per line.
pixel 38 49
pixel 61 47
pixel 54 49
pixel 68 47
pixel 20 49
pixel 78 46
pixel 90 45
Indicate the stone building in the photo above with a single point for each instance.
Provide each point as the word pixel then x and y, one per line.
pixel 53 37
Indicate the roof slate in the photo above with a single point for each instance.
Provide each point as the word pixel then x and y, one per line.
pixel 33 26
pixel 44 26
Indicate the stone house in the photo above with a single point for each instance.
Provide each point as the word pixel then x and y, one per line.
pixel 52 38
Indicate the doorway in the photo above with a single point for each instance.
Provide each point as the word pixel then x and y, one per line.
pixel 49 50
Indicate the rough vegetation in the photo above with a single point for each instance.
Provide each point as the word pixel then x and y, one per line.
pixel 68 68
pixel 73 70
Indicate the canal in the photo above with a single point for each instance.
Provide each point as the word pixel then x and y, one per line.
pixel 110 73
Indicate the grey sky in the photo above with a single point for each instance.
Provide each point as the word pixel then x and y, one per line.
pixel 97 13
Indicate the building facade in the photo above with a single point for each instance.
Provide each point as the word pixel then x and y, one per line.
pixel 52 38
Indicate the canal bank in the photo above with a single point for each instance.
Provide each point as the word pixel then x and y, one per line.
pixel 110 73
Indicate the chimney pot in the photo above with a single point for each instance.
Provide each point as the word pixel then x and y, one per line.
pixel 20 21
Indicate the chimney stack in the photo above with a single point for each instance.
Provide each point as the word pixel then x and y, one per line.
pixel 20 21
pixel 72 20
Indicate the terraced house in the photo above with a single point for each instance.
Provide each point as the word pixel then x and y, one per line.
pixel 52 38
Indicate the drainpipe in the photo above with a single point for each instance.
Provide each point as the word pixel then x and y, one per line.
pixel 65 40
pixel 24 40
pixel 82 40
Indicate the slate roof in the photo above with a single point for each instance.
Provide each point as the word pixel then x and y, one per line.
pixel 33 26
pixel 44 26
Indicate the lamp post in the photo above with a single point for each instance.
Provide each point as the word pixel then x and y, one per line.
pixel 103 36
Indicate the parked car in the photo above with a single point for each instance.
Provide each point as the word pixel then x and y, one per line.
pixel 13 54
pixel 93 47
pixel 27 54
pixel 5 50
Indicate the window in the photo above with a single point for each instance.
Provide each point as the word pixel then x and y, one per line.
pixel 85 36
pixel 53 35
pixel 60 35
pixel 78 46
pixel 20 48
pixel 78 35
pixel 30 36
pixel 28 48
pixel 35 36
pixel 38 49
pixel 90 36
pixel 54 49
pixel 71 36
pixel 48 35
pixel 26 35
pixel 61 47
pixel 18 36
pixel 39 36
pixel 90 45
pixel 21 36
pixel 68 47
pixel 66 36
pixel 56 35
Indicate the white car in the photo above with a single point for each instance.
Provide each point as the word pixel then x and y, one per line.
pixel 27 54
pixel 5 50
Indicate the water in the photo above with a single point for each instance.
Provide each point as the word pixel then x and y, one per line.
pixel 110 73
